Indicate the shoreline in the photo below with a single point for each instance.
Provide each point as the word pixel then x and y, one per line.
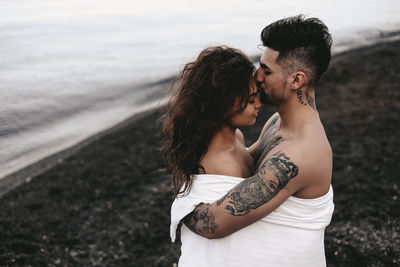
pixel 26 173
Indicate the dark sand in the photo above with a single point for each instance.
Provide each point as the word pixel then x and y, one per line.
pixel 108 204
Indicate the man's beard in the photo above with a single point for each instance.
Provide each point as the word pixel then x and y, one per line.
pixel 263 97
pixel 272 98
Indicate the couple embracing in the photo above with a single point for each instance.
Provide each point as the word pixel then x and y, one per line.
pixel 268 204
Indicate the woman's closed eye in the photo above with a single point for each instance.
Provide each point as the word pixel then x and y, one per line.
pixel 252 97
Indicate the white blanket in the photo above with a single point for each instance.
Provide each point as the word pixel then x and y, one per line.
pixel 292 235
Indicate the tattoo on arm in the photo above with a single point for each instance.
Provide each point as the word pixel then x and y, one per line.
pixel 259 189
pixel 247 195
pixel 201 220
pixel 270 143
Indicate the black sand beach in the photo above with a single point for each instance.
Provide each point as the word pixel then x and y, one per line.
pixel 108 204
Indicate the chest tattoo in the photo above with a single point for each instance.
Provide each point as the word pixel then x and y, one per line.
pixel 268 142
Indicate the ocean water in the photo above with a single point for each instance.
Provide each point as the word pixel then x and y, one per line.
pixel 70 69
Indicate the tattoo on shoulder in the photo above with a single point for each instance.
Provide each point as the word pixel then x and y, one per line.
pixel 270 140
pixel 201 220
pixel 259 189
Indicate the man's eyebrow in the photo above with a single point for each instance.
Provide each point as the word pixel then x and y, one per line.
pixel 262 65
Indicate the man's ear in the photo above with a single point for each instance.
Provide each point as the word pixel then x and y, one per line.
pixel 298 79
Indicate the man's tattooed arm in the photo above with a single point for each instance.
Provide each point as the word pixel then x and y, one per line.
pixel 201 221
pixel 274 174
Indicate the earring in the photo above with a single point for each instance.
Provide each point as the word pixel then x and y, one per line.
pixel 300 97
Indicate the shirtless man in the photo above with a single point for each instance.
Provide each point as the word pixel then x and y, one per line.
pixel 294 155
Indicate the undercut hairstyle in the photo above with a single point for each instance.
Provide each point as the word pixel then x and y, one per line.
pixel 207 94
pixel 303 44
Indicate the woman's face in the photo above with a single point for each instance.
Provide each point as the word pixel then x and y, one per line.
pixel 249 115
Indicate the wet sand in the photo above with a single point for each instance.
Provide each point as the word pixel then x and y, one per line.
pixel 107 203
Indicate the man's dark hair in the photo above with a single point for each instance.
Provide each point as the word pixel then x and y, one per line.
pixel 303 44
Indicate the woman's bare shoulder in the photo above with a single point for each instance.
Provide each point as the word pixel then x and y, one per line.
pixel 240 137
pixel 221 163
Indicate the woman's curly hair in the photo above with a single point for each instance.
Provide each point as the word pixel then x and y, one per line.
pixel 206 93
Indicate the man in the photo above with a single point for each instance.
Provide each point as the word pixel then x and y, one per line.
pixel 294 158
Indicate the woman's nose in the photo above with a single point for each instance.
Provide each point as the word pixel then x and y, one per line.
pixel 258 103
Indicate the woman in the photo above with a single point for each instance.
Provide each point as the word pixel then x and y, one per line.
pixel 202 145
pixel 215 95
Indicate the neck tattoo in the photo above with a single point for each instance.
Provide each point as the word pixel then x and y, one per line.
pixel 310 101
pixel 300 97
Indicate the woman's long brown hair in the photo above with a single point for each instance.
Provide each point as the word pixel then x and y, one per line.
pixel 203 102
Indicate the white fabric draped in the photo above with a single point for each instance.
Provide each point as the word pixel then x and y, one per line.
pixel 292 235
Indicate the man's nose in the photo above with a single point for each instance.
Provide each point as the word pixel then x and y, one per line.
pixel 258 75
